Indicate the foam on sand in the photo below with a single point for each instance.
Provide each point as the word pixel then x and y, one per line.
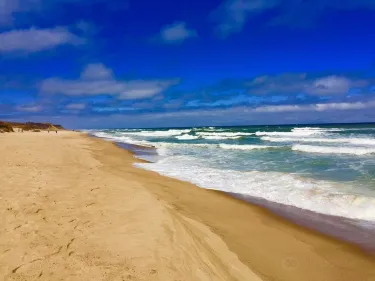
pixel 318 196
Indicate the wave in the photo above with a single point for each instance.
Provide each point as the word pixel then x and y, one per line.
pixel 221 137
pixel 168 133
pixel 333 150
pixel 165 145
pixel 317 196
pixel 225 134
pixel 243 147
pixel 187 137
pixel 316 129
pixel 300 133
pixel 184 145
pixel 122 139
pixel 355 141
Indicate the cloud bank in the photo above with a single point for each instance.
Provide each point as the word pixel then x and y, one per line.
pixel 34 39
pixel 96 79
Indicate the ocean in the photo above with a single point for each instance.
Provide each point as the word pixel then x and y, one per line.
pixel 325 169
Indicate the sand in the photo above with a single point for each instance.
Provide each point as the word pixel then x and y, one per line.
pixel 74 208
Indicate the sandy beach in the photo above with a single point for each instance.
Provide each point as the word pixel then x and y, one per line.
pixel 74 208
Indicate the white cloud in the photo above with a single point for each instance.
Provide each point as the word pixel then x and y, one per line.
pixel 8 8
pixel 29 108
pixel 291 83
pixel 176 33
pixel 240 115
pixel 344 106
pixel 34 39
pixel 76 106
pixel 96 79
pixel 317 107
pixel 233 14
pixel 96 71
pixel 330 85
pixel 281 108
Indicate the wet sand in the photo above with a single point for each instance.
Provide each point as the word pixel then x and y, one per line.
pixel 75 208
pixel 357 232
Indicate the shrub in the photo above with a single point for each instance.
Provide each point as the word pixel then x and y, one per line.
pixel 5 127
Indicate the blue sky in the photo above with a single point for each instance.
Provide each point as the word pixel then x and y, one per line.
pixel 109 63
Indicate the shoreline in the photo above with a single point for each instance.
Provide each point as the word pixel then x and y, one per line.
pixel 361 240
pixel 88 213
pixel 343 229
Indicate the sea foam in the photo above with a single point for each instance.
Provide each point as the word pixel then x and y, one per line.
pixel 167 133
pixel 244 147
pixel 355 141
pixel 333 150
pixel 318 196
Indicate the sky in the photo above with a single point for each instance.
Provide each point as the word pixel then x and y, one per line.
pixel 138 63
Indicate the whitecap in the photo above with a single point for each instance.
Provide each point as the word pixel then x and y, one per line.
pixel 333 150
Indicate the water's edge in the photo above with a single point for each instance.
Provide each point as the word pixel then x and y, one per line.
pixel 356 232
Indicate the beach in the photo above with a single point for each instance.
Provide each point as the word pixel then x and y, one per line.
pixel 75 208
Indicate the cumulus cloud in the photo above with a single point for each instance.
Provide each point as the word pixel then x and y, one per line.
pixel 330 85
pixel 96 71
pixel 34 39
pixel 294 84
pixel 176 33
pixel 96 79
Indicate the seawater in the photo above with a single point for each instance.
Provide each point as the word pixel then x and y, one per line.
pixel 327 169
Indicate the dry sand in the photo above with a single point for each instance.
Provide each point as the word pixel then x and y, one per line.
pixel 74 208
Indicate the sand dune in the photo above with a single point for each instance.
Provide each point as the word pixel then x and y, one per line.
pixel 74 208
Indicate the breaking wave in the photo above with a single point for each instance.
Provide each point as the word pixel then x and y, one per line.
pixel 333 150
pixel 318 196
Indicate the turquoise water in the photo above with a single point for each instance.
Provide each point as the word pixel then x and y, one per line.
pixel 326 169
